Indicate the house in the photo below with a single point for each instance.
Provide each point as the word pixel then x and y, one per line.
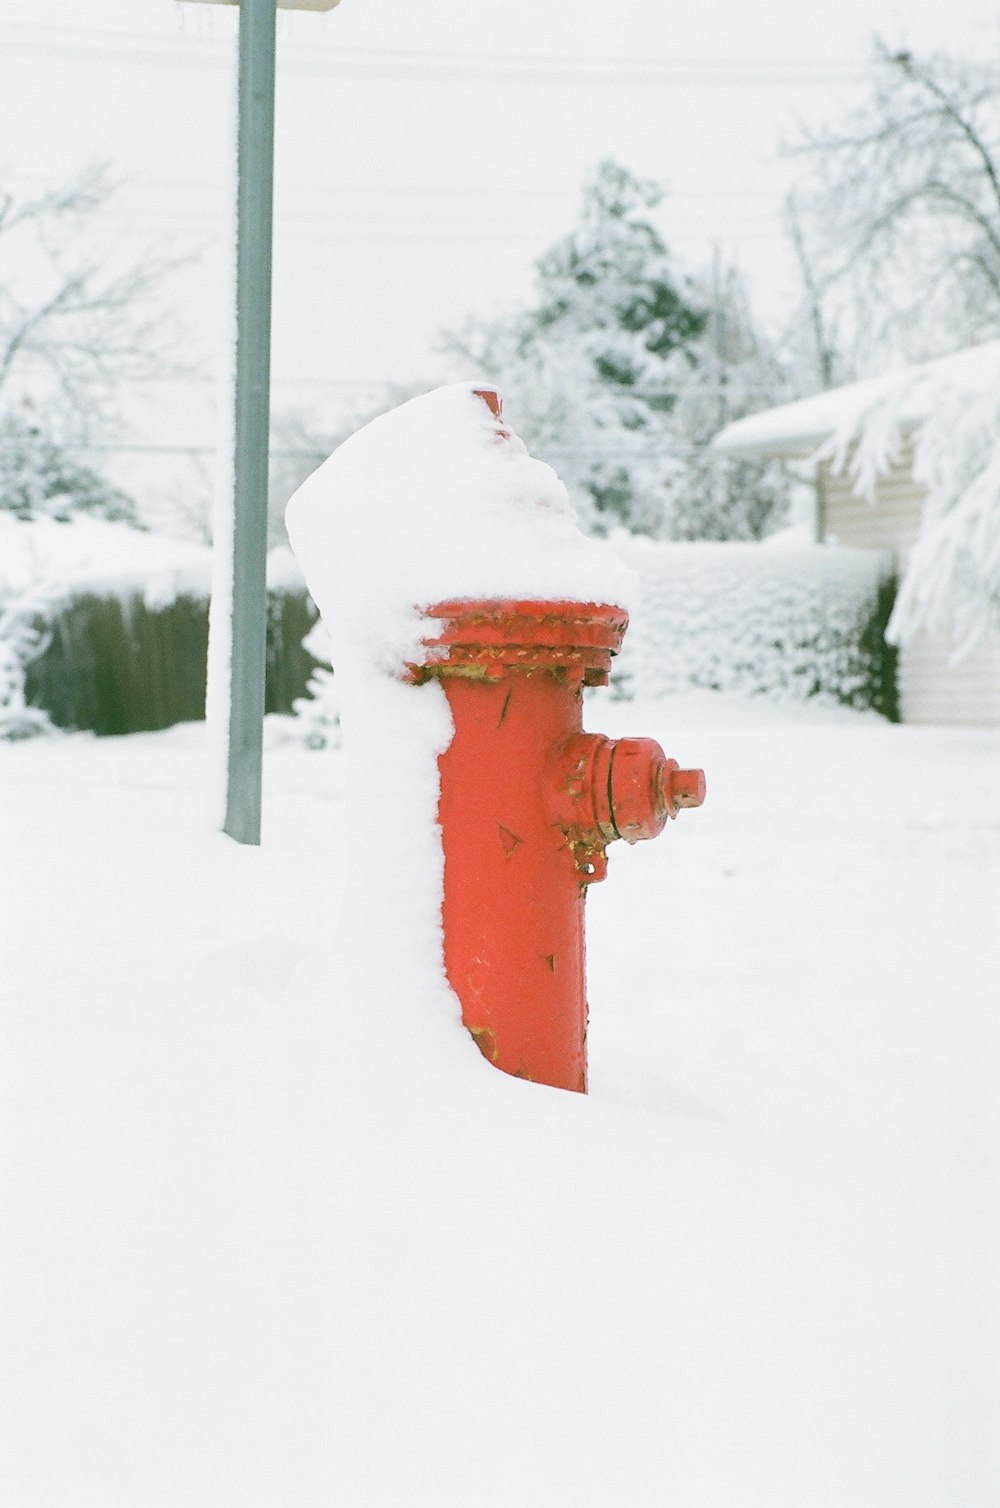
pixel 892 463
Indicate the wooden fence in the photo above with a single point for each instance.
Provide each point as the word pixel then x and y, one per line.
pixel 116 665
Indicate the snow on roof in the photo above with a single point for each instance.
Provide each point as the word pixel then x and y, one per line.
pixel 795 429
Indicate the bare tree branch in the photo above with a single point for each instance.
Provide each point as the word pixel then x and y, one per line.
pixel 898 205
pixel 955 114
pixel 80 327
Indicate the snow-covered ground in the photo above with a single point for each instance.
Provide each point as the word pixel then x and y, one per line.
pixel 263 1247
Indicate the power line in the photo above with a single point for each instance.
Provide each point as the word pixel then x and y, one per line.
pixel 307 452
pixel 398 190
pixel 174 449
pixel 332 227
pixel 471 237
pixel 423 65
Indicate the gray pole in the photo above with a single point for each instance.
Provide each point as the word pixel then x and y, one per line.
pixel 254 201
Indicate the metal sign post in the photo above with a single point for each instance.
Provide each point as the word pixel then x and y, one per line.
pixel 254 214
pixel 242 701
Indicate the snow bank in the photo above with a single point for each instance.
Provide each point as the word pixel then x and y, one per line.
pixel 263 1249
pixel 789 622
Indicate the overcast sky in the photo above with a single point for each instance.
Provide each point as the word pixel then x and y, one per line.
pixel 429 150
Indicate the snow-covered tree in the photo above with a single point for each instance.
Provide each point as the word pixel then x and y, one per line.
pixel 76 324
pixel 589 370
pixel 618 370
pixel 953 579
pixel 78 328
pixel 896 216
pixel 41 478
pixel 813 348
pixel 735 372
pixel 949 412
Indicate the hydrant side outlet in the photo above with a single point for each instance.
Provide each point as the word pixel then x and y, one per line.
pixel 528 803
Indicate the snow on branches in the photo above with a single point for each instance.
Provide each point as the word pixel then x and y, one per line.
pixel 949 411
pixel 896 218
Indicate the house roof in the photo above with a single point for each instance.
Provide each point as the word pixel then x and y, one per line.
pixel 796 429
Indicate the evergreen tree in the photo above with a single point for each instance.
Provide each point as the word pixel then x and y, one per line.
pixel 614 373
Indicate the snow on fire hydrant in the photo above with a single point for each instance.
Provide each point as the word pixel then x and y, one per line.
pixel 485 590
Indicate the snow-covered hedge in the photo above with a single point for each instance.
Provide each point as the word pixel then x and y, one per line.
pixel 117 665
pixel 782 619
pixel 105 627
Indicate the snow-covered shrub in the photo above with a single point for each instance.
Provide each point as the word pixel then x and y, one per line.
pixel 40 478
pixel 23 638
pixel 25 610
pixel 792 621
pixel 785 621
pixel 317 714
pixel 105 627
pixel 117 664
pixel 291 655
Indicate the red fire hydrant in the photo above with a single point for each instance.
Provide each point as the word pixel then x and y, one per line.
pixel 528 805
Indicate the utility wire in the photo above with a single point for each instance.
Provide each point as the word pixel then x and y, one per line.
pixel 421 219
pixel 422 65
pixel 555 453
pixel 443 191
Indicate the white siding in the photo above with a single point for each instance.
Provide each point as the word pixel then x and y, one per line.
pixel 933 691
pixel 890 523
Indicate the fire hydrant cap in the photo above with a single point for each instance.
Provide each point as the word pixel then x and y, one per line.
pixel 682 788
pixel 647 789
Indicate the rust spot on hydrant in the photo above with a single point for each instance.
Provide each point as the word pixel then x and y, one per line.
pixel 486 1041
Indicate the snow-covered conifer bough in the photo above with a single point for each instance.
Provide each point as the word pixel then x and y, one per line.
pixel 427 503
